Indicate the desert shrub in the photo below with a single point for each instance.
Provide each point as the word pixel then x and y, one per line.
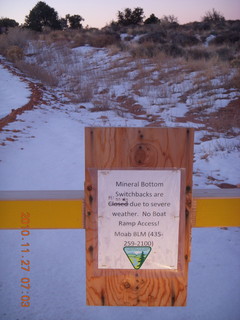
pixel 15 37
pixel 60 37
pixel 235 63
pixel 137 30
pixel 83 92
pixel 3 44
pixel 96 39
pixel 198 26
pixel 234 82
pixel 144 50
pixel 101 40
pixel 225 54
pixel 234 25
pixel 157 37
pixel 57 36
pixel 183 39
pixel 151 50
pixel 79 39
pixel 169 22
pixel 19 37
pixel 227 37
pixel 198 54
pixel 173 50
pixel 14 53
pixel 213 16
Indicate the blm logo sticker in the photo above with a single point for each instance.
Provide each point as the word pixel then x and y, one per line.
pixel 137 255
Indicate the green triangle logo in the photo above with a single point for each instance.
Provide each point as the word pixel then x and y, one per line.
pixel 137 255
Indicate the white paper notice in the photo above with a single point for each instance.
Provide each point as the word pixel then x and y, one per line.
pixel 138 219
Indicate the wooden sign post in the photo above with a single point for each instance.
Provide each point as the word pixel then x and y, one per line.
pixel 138 196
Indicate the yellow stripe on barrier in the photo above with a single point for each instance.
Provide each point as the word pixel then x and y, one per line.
pixel 64 209
pixel 43 214
pixel 217 213
pixel 216 208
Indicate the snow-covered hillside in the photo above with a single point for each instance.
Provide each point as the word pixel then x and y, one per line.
pixel 43 149
pixel 97 87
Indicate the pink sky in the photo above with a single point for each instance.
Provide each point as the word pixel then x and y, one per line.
pixel 98 13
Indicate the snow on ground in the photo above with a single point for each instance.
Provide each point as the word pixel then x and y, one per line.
pixel 218 159
pixel 44 150
pixel 48 149
pixel 14 93
pixel 58 279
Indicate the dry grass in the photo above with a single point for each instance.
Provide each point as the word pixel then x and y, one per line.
pixel 14 53
pixel 94 38
pixel 36 72
pixel 114 49
pixel 81 92
pixel 145 50
pixel 155 70
pixel 234 82
pixel 16 37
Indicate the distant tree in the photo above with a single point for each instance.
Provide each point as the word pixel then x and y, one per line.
pixel 169 19
pixel 8 23
pixel 63 23
pixel 42 16
pixel 152 19
pixel 137 15
pixel 213 16
pixel 124 18
pixel 74 21
pixel 130 17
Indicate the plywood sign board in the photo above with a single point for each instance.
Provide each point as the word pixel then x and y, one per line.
pixel 137 215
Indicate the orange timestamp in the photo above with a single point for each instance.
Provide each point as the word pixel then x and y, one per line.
pixel 25 261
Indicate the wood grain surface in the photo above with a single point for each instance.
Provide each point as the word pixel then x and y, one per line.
pixel 123 148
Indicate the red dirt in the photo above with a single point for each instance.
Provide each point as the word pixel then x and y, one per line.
pixel 35 99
